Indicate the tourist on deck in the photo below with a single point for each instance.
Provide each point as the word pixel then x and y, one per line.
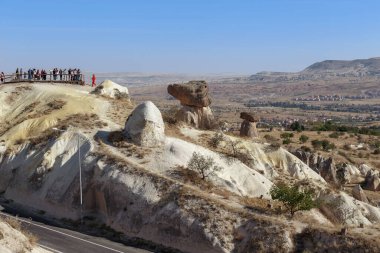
pixel 20 74
pixel 38 74
pixel 29 74
pixel 32 72
pixel 2 77
pixel 93 80
pixel 16 74
pixel 44 75
pixel 24 75
pixel 70 72
pixel 55 74
pixel 64 75
pixel 78 75
pixel 60 74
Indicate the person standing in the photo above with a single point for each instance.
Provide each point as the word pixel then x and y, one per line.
pixel 60 74
pixel 93 80
pixel 2 77
pixel 16 74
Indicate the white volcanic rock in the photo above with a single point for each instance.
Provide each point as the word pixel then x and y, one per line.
pixel 347 210
pixel 112 90
pixel 145 125
pixel 359 194
pixel 198 117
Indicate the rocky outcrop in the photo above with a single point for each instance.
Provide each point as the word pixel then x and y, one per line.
pixel 199 117
pixel 372 181
pixel 145 126
pixel 324 167
pixel 248 126
pixel 359 194
pixel 112 90
pixel 195 102
pixel 193 93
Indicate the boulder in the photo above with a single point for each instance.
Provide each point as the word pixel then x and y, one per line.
pixel 372 181
pixel 359 194
pixel 198 117
pixel 193 93
pixel 248 129
pixel 248 116
pixel 112 90
pixel 145 126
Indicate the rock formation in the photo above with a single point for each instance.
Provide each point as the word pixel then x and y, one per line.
pixel 112 90
pixel 145 126
pixel 372 181
pixel 359 194
pixel 248 126
pixel 325 167
pixel 195 102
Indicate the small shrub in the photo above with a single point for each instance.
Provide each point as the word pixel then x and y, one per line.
pixel 296 126
pixel 216 139
pixel 293 198
pixel 324 145
pixel 204 166
pixel 286 135
pixel 376 152
pixel 303 138
pixel 286 141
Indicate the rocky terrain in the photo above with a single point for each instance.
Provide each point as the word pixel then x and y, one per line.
pixel 14 239
pixel 137 179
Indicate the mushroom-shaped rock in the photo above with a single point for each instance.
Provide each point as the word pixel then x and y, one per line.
pixel 112 90
pixel 193 93
pixel 359 194
pixel 248 126
pixel 248 116
pixel 145 126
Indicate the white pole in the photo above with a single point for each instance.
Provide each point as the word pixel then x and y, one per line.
pixel 80 182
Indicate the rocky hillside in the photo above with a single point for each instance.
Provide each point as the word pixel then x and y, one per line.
pixel 328 69
pixel 359 67
pixel 137 178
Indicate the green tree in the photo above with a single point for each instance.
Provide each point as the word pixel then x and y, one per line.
pixel 296 126
pixel 204 166
pixel 303 138
pixel 293 198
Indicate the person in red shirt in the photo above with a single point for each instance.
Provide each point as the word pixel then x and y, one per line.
pixel 93 80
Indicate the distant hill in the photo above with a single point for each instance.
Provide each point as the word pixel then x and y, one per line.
pixel 326 70
pixel 356 67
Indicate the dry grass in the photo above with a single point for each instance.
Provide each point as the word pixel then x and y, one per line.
pixel 17 225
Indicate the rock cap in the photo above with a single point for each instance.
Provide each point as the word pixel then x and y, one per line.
pixel 192 93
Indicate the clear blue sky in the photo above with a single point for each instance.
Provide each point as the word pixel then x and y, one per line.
pixel 186 36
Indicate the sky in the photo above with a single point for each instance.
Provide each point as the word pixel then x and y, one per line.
pixel 186 36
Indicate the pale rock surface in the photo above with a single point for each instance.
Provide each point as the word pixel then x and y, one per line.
pixel 198 117
pixel 347 210
pixel 12 240
pixel 112 90
pixel 359 194
pixel 248 129
pixel 236 177
pixel 145 125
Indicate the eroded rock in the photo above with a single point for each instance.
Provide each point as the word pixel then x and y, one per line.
pixel 193 93
pixel 145 126
pixel 359 194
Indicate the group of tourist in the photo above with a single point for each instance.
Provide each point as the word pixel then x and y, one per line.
pixel 54 74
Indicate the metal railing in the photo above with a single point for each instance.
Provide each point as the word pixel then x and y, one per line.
pixel 49 77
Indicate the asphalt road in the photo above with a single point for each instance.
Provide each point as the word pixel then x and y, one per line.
pixel 60 240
